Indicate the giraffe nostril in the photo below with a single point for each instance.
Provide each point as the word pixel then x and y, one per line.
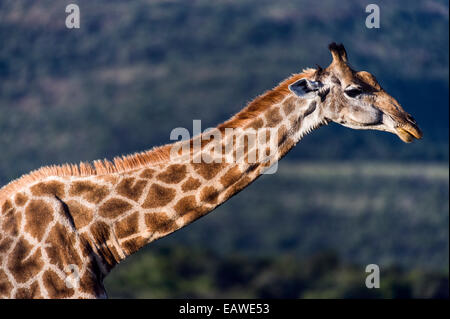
pixel 411 119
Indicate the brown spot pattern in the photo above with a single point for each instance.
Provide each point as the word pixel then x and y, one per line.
pixel 55 286
pixel 194 214
pixel 89 282
pixel 173 174
pixel 81 214
pixel 33 292
pixel 289 106
pixel 7 206
pixel 159 222
pixel 256 124
pixel 273 117
pixel 147 173
pixel 131 188
pixel 114 207
pixel 127 226
pixel 60 249
pixel 208 170
pixel 101 234
pixel 5 285
pixel 5 244
pixel 90 191
pixel 231 176
pixel 132 245
pixel 190 184
pixel 281 134
pixel 38 214
pixel 209 194
pixel 21 269
pixel 21 199
pixel 11 222
pixel 50 188
pixel 185 205
pixel 158 196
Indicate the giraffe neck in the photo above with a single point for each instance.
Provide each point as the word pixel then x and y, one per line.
pixel 198 179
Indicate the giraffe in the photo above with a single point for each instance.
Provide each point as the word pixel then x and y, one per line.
pixel 63 228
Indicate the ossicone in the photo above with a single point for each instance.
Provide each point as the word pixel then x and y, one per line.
pixel 338 52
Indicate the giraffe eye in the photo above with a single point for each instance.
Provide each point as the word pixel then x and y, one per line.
pixel 353 92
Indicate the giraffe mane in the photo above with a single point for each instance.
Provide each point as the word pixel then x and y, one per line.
pixel 262 102
pixel 98 167
pixel 155 155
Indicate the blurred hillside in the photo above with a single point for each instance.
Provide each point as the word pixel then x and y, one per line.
pixel 186 272
pixel 137 69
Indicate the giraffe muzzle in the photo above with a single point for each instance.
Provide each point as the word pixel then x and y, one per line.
pixel 408 132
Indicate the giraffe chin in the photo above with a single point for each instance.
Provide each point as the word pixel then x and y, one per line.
pixel 408 133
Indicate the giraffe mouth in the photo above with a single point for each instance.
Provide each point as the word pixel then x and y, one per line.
pixel 408 133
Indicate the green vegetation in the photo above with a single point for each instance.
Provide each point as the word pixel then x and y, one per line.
pixel 137 69
pixel 183 272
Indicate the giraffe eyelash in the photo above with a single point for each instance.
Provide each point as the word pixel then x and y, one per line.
pixel 353 92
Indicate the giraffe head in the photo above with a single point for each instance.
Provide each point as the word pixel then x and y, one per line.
pixel 354 98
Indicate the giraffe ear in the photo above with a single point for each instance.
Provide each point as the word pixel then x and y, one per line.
pixel 305 88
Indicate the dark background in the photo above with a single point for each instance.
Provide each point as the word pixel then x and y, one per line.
pixel 342 199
